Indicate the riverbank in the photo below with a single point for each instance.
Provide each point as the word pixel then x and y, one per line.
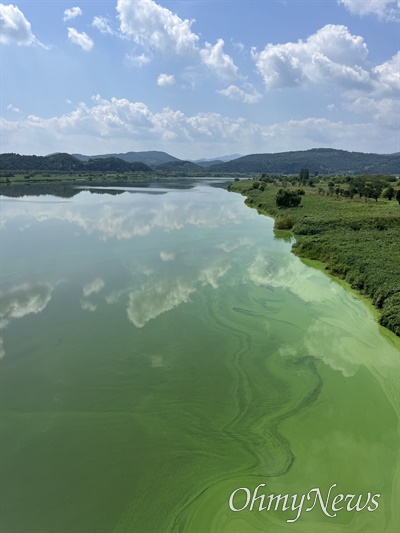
pixel 357 240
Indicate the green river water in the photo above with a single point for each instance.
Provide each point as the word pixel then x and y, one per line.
pixel 161 348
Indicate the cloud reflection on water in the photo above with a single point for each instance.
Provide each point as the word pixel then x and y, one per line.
pixel 93 287
pixel 21 301
pixel 127 216
pixel 155 298
pixel 24 300
pixel 335 314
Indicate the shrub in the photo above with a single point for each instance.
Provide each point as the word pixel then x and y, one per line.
pixel 285 222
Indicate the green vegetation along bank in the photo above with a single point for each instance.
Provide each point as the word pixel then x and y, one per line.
pixel 356 238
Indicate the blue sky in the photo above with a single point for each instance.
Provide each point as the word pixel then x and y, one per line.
pixel 199 78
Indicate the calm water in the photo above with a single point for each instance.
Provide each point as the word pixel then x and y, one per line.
pixel 160 348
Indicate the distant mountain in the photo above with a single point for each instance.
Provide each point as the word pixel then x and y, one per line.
pixel 206 164
pixel 114 164
pixel 67 163
pixel 179 166
pixel 57 162
pixel 151 158
pixel 223 159
pixel 321 160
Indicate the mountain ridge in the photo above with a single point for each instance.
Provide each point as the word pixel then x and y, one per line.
pixel 316 160
pixel 150 158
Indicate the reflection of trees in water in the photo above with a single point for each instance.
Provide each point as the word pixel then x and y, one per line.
pixel 65 190
pixel 61 191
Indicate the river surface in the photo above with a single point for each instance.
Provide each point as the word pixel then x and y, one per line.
pixel 161 348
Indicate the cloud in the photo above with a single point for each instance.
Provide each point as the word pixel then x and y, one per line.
pixel 387 76
pixel 382 103
pixel 12 107
pixel 81 39
pixel 155 27
pixel 138 61
pixel 112 125
pixel 102 24
pixel 72 13
pixel 385 110
pixel 331 55
pixel 2 351
pixel 14 28
pixel 235 93
pixel 383 9
pixel 215 58
pixel 166 80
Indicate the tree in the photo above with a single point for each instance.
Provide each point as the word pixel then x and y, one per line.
pixel 398 196
pixel 388 193
pixel 286 198
pixel 304 175
pixel 376 192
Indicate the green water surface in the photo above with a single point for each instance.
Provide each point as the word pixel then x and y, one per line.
pixel 160 351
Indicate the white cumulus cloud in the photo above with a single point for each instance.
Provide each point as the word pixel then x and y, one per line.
pixel 385 110
pixel 383 9
pixel 215 58
pixel 155 27
pixel 72 13
pixel 113 124
pixel 15 28
pixel 81 39
pixel 137 60
pixel 235 93
pixel 387 76
pixel 166 80
pixel 102 24
pixel 331 55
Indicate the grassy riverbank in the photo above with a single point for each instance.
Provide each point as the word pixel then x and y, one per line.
pixel 357 240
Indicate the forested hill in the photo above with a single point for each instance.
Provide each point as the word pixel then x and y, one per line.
pixel 67 163
pixel 151 158
pixel 321 160
pixel 317 160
